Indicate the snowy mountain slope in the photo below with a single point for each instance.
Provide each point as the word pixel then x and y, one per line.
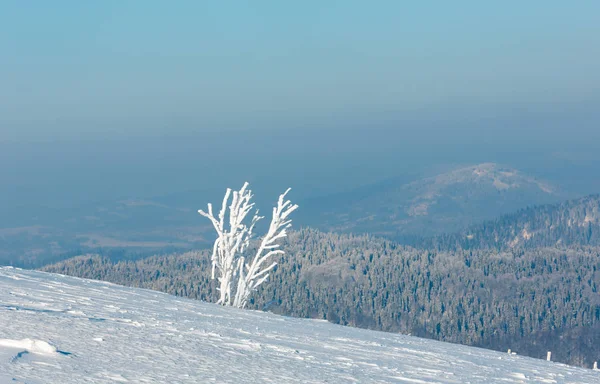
pixel 59 329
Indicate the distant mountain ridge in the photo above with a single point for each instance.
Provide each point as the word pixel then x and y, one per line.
pixel 573 222
pixel 443 203
pixel 430 190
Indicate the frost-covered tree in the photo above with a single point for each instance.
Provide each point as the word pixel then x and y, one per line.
pixel 239 274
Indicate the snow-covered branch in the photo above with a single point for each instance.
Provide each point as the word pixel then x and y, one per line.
pixel 228 259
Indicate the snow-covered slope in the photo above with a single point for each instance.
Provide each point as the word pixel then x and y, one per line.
pixel 59 329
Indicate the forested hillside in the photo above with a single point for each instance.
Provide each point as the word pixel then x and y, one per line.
pixel 574 222
pixel 530 300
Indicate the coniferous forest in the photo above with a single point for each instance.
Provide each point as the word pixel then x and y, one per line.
pixel 528 295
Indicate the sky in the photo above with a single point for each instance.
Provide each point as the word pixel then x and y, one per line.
pixel 73 70
pixel 172 102
pixel 114 99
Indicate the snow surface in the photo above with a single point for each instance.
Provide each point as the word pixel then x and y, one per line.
pixel 59 329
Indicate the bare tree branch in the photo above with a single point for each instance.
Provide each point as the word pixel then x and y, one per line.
pixel 228 259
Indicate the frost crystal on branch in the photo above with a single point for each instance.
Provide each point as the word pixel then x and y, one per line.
pixel 235 271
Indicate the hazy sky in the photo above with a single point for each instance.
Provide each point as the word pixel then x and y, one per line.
pixel 75 68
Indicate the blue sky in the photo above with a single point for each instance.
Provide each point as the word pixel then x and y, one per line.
pixel 73 68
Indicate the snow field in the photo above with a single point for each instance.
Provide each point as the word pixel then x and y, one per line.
pixel 59 329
